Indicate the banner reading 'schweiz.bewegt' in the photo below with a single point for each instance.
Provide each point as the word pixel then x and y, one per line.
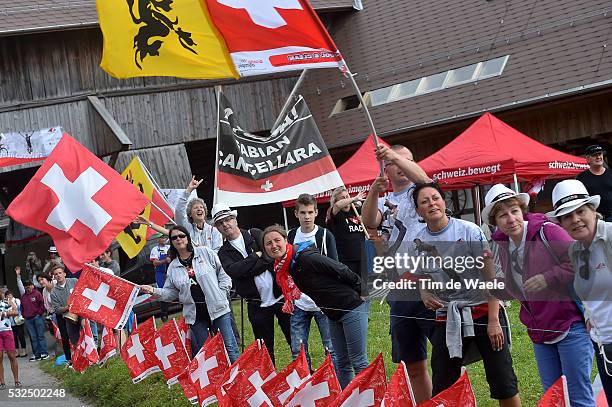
pixel 255 170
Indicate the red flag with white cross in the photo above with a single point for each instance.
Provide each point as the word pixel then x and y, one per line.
pixel 170 352
pixel 108 349
pixel 283 385
pixel 273 35
pixel 208 367
pixel 73 198
pixel 399 391
pixel 188 387
pixel 460 394
pixel 319 390
pixel 137 352
pixel 556 395
pixel 85 353
pixel 103 297
pixel 256 364
pixel 366 389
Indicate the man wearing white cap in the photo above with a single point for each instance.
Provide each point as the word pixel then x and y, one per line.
pixel 53 257
pixel 252 273
pixel 598 180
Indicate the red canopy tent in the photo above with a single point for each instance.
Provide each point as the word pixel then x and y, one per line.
pixel 358 172
pixel 490 152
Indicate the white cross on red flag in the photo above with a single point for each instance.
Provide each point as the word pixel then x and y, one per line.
pixel 460 394
pixel 254 359
pixel 283 385
pixel 103 297
pixel 188 387
pixel 108 349
pixel 399 391
pixel 319 390
pixel 137 352
pixel 207 369
pixel 366 389
pixel 85 352
pixel 73 198
pixel 556 395
pixel 170 352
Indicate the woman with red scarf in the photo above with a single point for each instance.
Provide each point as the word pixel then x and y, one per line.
pixel 333 287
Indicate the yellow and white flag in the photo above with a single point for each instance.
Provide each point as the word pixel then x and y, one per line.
pixel 162 38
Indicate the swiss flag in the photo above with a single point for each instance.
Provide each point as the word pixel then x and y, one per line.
pixel 366 389
pixel 399 391
pixel 273 35
pixel 254 359
pixel 283 385
pixel 319 390
pixel 103 297
pixel 188 387
pixel 207 369
pixel 170 351
pixel 185 334
pixel 556 395
pixel 73 198
pixel 137 352
pixel 460 394
pixel 109 345
pixel 85 352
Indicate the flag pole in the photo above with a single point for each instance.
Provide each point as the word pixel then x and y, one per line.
pixel 290 98
pixel 218 89
pixel 349 75
pixel 164 213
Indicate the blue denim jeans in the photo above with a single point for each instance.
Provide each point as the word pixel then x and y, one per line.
pixel 349 337
pixel 572 357
pixel 300 330
pixel 223 324
pixel 36 330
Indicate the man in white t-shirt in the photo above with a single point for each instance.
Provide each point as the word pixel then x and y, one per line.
pixel 305 308
pixel 396 214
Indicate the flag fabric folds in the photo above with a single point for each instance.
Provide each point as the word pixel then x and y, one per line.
pixel 85 352
pixel 103 297
pixel 212 39
pixel 137 352
pixel 283 385
pixel 366 389
pixel 73 198
pixel 170 352
pixel 399 391
pixel 134 237
pixel 556 395
pixel 208 368
pixel 460 394
pixel 108 348
pixel 319 390
pixel 254 170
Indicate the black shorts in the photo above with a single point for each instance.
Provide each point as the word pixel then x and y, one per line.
pixel 497 364
pixel 411 325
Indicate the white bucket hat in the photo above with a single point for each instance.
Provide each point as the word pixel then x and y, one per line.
pixel 52 249
pixel 222 211
pixel 499 193
pixel 569 195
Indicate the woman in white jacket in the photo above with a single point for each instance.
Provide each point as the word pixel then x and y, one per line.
pixel 195 277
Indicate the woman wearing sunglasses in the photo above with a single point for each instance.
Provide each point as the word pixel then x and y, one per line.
pixel 195 276
pixel 591 257
pixel 469 320
pixel 538 273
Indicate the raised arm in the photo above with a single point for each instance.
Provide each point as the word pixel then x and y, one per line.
pixel 411 169
pixel 370 214
pixel 338 205
pixel 180 213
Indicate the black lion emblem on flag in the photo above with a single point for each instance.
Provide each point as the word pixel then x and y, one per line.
pixel 157 24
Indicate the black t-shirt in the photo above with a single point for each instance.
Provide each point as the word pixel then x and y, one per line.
pixel 599 185
pixel 196 291
pixel 349 235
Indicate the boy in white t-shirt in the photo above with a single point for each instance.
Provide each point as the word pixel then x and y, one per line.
pixel 305 308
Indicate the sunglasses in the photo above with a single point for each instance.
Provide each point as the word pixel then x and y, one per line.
pixel 181 236
pixel 584 269
pixel 515 264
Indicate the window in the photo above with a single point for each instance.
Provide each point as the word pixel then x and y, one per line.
pixel 426 84
pixel 462 75
pixel 493 67
pixel 433 82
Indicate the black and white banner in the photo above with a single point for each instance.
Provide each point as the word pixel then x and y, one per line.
pixel 25 146
pixel 255 170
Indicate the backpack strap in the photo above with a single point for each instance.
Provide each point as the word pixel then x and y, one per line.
pixel 324 243
pixel 547 244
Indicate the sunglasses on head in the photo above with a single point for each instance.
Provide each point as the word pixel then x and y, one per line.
pixel 181 236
